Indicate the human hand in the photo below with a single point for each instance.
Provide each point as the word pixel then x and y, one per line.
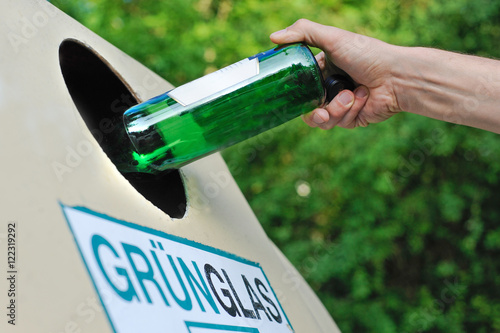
pixel 366 60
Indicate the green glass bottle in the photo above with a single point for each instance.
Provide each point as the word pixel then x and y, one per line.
pixel 225 107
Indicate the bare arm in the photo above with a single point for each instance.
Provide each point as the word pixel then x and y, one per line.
pixel 443 85
pixel 453 87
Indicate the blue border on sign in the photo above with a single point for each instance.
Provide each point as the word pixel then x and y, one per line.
pixel 86 266
pixel 162 234
pixel 228 328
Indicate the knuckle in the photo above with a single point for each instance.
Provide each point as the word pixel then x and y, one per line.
pixel 300 23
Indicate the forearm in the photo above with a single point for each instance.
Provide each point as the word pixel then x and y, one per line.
pixel 448 86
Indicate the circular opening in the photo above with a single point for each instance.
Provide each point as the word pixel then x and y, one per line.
pixel 102 97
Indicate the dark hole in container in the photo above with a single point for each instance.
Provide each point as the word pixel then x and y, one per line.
pixel 101 97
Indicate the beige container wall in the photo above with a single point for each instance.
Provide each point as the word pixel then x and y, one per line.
pixel 40 126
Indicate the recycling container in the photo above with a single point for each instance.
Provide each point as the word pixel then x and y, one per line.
pixel 88 249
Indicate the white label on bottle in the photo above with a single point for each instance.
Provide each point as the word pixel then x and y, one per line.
pixel 212 83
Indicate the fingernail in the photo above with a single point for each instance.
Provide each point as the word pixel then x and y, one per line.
pixel 345 98
pixel 274 34
pixel 361 92
pixel 317 119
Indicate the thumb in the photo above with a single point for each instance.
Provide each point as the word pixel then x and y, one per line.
pixel 313 34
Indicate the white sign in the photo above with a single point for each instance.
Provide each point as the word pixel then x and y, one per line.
pixel 150 281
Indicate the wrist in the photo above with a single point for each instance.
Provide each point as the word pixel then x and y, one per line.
pixel 408 78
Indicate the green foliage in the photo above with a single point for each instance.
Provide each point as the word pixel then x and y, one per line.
pixel 394 225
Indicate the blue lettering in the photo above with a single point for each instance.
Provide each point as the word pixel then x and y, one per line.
pixel 129 294
pixel 186 304
pixel 141 276
pixel 202 287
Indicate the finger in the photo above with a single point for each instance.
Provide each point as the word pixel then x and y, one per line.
pixel 316 117
pixel 361 96
pixel 314 34
pixel 338 108
pixel 325 65
pixel 321 60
